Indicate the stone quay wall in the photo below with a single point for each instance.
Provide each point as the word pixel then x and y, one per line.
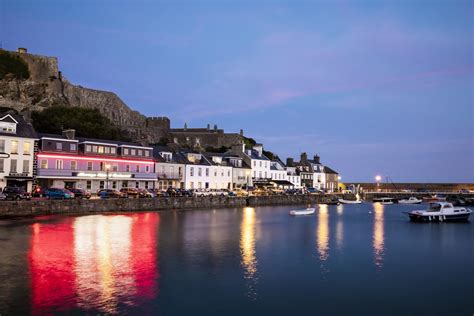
pixel 12 209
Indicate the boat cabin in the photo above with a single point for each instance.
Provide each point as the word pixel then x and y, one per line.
pixel 437 207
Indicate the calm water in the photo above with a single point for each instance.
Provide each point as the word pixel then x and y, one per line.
pixel 345 260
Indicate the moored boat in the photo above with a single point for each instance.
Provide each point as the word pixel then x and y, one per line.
pixel 308 211
pixel 350 201
pixel 440 212
pixel 410 200
pixel 385 200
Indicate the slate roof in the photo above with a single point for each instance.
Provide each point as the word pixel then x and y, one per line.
pixel 23 128
pixel 329 170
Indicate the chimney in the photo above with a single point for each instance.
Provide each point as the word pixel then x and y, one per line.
pixel 259 149
pixel 215 127
pixel 316 159
pixel 289 162
pixel 304 158
pixel 22 50
pixel 241 132
pixel 208 127
pixel 238 148
pixel 185 126
pixel 69 133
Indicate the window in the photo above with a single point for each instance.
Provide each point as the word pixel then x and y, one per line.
pixel 127 168
pixel 146 184
pixel 94 149
pixel 73 165
pixel 2 164
pixel 199 172
pixel 124 184
pixel 26 148
pixel 2 145
pixel 137 184
pixel 255 174
pixel 100 149
pixel 59 146
pixel 147 168
pixel 228 173
pixel 13 168
pixel 115 167
pixel 26 166
pixel 101 184
pixel 44 164
pixel 191 172
pixel 137 168
pixel 133 152
pixel 90 166
pixel 254 163
pixel 88 185
pixel 147 153
pixel 114 184
pixel 73 147
pixel 199 185
pixel 125 151
pixel 88 148
pixel 207 172
pixel 59 164
pixel 14 147
pixel 112 150
pixel 260 163
pixel 191 185
pixel 107 150
pixel 140 152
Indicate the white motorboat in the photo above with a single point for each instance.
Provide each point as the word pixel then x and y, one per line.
pixel 440 212
pixel 308 211
pixel 410 200
pixel 350 201
pixel 384 200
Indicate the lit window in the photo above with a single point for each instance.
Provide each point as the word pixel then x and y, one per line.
pixel 44 164
pixel 73 147
pixel 125 151
pixel 140 152
pixel 89 166
pixel 26 148
pixel 112 150
pixel 14 149
pixel 88 148
pixel 100 149
pixel 147 153
pixel 133 152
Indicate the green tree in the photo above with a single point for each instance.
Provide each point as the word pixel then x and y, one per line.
pixel 13 64
pixel 87 123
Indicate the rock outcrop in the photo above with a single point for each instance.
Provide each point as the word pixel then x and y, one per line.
pixel 47 87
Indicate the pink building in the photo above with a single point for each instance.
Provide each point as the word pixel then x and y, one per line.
pixel 64 161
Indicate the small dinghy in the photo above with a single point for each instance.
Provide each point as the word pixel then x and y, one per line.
pixel 440 212
pixel 308 211
pixel 411 200
pixel 350 201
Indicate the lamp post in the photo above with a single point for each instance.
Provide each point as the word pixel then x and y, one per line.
pixel 107 169
pixel 377 179
pixel 247 177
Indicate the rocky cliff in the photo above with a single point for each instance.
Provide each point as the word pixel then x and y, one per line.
pixel 46 87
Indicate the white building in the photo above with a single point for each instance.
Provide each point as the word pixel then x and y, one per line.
pixel 221 171
pixel 197 173
pixel 258 162
pixel 169 168
pixel 17 142
pixel 292 174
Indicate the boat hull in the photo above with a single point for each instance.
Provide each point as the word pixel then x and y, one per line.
pixel 439 218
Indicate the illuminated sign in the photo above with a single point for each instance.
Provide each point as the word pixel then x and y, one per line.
pixel 103 175
pixel 105 159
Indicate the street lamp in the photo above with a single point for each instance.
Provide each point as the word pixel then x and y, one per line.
pixel 377 179
pixel 247 174
pixel 107 169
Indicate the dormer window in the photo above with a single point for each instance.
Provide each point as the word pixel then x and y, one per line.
pixel 59 146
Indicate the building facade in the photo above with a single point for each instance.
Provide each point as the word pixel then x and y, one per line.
pixel 17 143
pixel 169 168
pixel 65 161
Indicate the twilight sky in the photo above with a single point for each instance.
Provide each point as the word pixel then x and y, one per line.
pixel 374 87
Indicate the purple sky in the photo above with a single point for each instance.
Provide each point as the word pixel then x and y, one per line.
pixel 374 87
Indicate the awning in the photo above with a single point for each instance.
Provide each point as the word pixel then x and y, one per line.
pixel 282 182
pixel 19 177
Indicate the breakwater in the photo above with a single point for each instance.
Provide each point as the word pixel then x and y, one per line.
pixel 10 209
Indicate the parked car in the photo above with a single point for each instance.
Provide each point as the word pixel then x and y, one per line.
pixel 144 193
pixel 80 193
pixel 110 193
pixel 2 196
pixel 38 192
pixel 16 193
pixel 57 193
pixel 130 192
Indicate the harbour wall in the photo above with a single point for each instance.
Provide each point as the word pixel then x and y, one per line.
pixel 369 196
pixel 12 209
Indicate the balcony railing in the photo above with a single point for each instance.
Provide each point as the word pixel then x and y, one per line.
pixel 169 175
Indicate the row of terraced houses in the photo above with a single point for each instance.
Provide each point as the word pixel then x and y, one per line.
pixel 29 159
